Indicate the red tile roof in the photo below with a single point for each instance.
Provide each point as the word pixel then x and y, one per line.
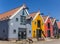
pixel 58 23
pixel 6 15
pixel 32 15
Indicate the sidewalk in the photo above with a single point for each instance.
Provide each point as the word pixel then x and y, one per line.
pixel 35 41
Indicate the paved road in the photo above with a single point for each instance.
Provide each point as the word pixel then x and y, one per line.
pixel 48 42
pixel 39 42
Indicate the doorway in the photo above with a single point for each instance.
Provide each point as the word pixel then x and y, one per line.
pixel 22 34
pixel 49 34
pixel 39 33
pixel 38 23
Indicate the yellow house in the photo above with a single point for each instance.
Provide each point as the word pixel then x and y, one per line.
pixel 37 24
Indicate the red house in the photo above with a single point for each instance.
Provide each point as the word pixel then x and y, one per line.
pixel 48 26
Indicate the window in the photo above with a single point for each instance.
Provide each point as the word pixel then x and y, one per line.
pixel 23 12
pixel 14 31
pixel 16 19
pixel 23 20
pixel 49 25
pixel 3 31
pixel 29 31
pixel 38 23
pixel 34 31
pixel 11 24
pixel 35 22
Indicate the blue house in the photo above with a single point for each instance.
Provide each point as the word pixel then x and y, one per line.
pixel 13 24
pixel 55 28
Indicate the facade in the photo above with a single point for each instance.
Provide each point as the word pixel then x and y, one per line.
pixel 58 24
pixel 48 26
pixel 36 24
pixel 13 24
pixel 55 27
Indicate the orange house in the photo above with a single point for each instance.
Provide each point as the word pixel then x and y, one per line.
pixel 48 26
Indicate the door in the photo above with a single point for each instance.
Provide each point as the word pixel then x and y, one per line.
pixel 55 32
pixel 39 33
pixel 19 35
pixel 49 33
pixel 22 34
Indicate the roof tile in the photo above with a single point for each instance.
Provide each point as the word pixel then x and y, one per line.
pixel 32 15
pixel 6 15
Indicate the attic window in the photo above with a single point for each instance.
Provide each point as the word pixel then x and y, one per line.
pixel 49 25
pixel 16 19
pixel 38 23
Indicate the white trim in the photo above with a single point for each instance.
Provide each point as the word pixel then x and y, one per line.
pixel 17 11
pixel 36 15
pixel 27 11
pixel 53 22
pixel 42 18
pixel 40 15
pixel 46 19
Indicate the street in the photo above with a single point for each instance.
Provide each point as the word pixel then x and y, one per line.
pixel 57 41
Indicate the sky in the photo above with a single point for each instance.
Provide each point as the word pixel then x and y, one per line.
pixel 48 7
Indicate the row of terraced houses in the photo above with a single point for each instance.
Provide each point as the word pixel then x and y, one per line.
pixel 18 24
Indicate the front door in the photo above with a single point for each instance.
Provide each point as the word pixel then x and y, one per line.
pixel 38 34
pixel 22 34
pixel 55 32
pixel 48 32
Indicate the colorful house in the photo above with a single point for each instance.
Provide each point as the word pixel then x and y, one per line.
pixel 13 24
pixel 37 24
pixel 58 24
pixel 55 27
pixel 48 26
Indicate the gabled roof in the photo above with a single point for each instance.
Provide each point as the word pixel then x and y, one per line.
pixel 10 14
pixel 45 18
pixel 33 15
pixel 58 24
pixel 53 20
